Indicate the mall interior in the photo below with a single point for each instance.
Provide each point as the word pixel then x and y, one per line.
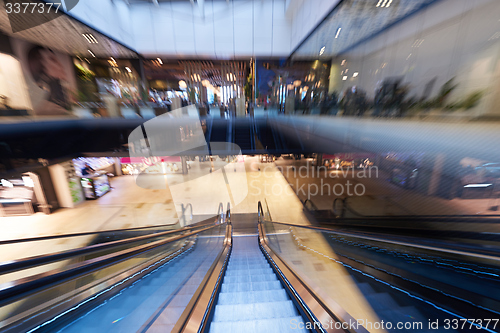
pixel 249 166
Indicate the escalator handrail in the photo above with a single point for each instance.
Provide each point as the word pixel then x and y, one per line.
pixel 228 212
pixel 300 290
pixel 260 211
pixel 18 289
pixel 220 213
pixel 184 209
pixel 385 240
pixel 312 204
pixel 197 313
pixel 435 218
pixel 89 233
pixel 30 262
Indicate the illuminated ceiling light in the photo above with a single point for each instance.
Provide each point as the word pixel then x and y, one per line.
pixel 344 78
pixel 322 50
pixel 388 4
pixel 159 60
pixel 92 53
pixel 478 185
pixel 182 84
pixel 338 33
pixel 342 63
pixel 355 74
pixel 128 69
pixel 90 38
pixel 383 4
pixel 379 2
pixel 347 70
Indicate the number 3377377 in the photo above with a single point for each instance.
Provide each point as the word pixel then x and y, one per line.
pixel 32 8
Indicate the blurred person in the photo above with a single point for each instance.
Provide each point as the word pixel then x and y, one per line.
pixel 87 170
pixel 48 73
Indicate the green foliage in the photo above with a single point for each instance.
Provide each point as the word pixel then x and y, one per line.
pixel 445 92
pixel 87 89
pixel 472 99
pixel 467 103
pixel 84 74
pixel 248 87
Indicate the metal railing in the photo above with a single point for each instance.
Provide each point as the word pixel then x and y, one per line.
pixel 115 252
pixel 97 233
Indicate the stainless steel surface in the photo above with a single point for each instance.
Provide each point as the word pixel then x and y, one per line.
pixel 55 306
pixel 193 319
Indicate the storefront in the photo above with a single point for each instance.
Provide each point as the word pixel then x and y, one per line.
pixel 93 173
pixel 23 195
pixel 349 160
pixel 157 165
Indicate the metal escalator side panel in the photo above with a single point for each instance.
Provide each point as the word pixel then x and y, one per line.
pixel 44 316
pixel 311 305
pixel 198 312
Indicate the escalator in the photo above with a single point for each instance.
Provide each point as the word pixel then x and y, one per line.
pixel 247 273
pixel 267 139
pixel 156 301
pixel 163 283
pixel 219 130
pixel 243 135
pixel 252 298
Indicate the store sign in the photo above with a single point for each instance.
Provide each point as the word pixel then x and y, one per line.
pixel 150 161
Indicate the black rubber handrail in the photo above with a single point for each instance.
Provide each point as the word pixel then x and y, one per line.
pixel 319 306
pixel 30 262
pixel 220 212
pixel 228 212
pixel 442 248
pixel 26 286
pixel 312 204
pixel 260 211
pixel 184 209
pixel 42 238
pixel 424 218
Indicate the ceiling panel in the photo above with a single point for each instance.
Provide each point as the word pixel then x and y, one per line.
pixel 354 21
pixel 66 34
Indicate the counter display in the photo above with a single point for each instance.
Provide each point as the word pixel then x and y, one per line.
pixel 95 186
pixel 161 165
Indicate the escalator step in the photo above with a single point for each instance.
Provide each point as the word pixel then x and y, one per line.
pixel 255 271
pixel 289 324
pixel 248 267
pixel 250 278
pixel 254 311
pixel 246 287
pixel 254 297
